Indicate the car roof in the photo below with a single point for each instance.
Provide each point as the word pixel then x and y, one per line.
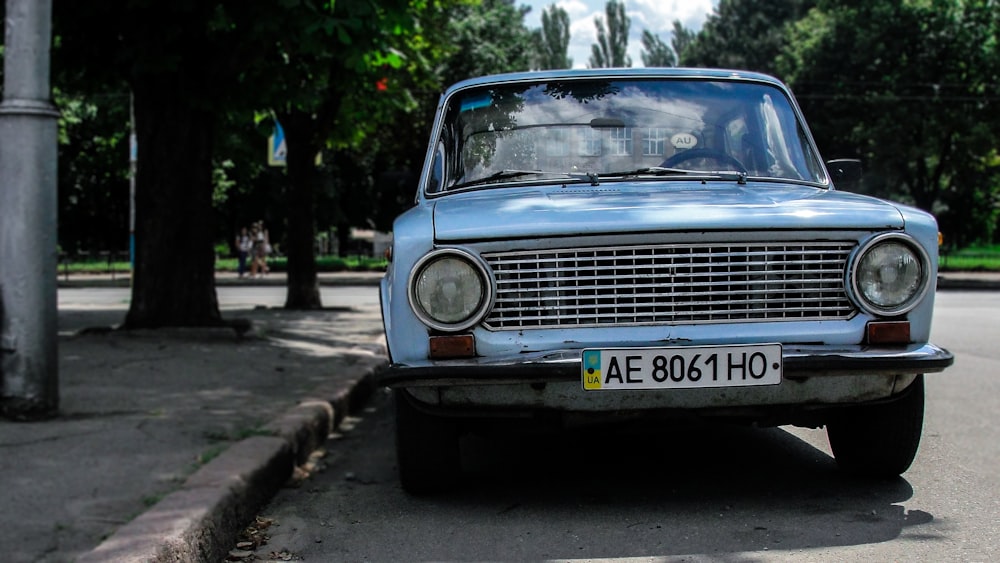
pixel 619 73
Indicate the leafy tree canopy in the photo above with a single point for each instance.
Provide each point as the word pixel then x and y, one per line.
pixel 611 49
pixel 911 88
pixel 655 52
pixel 487 38
pixel 743 34
pixel 552 40
pixel 681 39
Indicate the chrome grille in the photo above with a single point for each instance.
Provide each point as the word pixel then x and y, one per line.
pixel 670 284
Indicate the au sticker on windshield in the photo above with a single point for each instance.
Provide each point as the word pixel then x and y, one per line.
pixel 684 140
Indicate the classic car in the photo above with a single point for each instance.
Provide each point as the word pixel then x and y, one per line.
pixel 591 244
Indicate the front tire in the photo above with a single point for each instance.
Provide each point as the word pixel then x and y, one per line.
pixel 427 450
pixel 879 440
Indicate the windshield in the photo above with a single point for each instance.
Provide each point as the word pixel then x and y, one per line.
pixel 574 130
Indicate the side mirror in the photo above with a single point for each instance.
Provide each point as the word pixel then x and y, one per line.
pixel 844 170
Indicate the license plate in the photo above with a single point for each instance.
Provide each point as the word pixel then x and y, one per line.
pixel 681 367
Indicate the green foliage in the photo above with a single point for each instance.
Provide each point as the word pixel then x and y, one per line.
pixel 655 52
pixel 221 182
pixel 373 68
pixel 485 38
pixel 376 180
pixel 612 40
pixel 93 171
pixel 205 457
pixel 972 258
pixel 910 88
pixel 744 34
pixel 553 40
pixel 681 39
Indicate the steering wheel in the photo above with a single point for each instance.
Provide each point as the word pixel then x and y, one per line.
pixel 692 154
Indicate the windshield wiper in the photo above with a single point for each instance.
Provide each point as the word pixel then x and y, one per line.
pixel 648 171
pixel 595 178
pixel 739 176
pixel 505 175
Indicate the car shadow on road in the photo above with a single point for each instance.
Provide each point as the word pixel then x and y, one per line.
pixel 696 488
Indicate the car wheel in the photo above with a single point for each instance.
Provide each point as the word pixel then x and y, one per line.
pixel 427 452
pixel 879 440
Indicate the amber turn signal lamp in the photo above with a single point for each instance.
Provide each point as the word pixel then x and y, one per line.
pixel 889 332
pixel 460 346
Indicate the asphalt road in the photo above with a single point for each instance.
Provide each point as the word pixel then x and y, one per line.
pixel 684 494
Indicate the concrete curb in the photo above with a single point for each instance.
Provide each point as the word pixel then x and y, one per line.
pixel 202 520
pixel 984 283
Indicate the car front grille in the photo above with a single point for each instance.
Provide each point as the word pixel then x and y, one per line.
pixel 670 284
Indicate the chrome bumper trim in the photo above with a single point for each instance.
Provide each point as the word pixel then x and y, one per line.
pixel 564 365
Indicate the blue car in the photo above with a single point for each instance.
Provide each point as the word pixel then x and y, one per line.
pixel 593 244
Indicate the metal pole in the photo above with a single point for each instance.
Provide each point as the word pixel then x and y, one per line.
pixel 29 377
pixel 133 161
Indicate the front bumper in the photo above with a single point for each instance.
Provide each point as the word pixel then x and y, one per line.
pixel 815 379
pixel 800 362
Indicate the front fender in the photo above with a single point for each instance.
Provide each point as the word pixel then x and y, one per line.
pixel 413 237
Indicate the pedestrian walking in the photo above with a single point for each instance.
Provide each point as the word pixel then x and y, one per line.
pixel 244 246
pixel 261 249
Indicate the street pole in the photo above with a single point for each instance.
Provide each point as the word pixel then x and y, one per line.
pixel 29 376
pixel 133 161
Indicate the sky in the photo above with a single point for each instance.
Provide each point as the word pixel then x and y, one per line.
pixel 655 15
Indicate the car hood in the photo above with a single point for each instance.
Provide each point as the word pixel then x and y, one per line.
pixel 499 213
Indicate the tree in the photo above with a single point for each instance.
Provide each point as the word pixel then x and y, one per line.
pixel 910 88
pixel 486 38
pixel 182 61
pixel 553 40
pixel 191 65
pixel 744 34
pixel 612 42
pixel 682 38
pixel 93 171
pixel 655 52
pixel 341 49
pixel 458 41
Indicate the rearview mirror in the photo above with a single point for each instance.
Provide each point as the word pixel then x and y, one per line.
pixel 607 122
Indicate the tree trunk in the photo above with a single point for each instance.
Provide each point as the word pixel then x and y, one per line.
pixel 301 134
pixel 174 277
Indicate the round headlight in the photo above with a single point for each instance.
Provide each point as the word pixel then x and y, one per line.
pixel 891 275
pixel 449 290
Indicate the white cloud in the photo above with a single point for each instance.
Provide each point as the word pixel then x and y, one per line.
pixel 582 34
pixel 574 8
pixel 655 15
pixel 658 16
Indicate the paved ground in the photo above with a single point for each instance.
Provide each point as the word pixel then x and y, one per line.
pixel 169 440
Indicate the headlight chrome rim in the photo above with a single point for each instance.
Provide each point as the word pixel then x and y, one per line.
pixel 478 312
pixel 923 284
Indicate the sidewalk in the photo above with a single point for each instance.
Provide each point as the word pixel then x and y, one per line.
pixel 169 441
